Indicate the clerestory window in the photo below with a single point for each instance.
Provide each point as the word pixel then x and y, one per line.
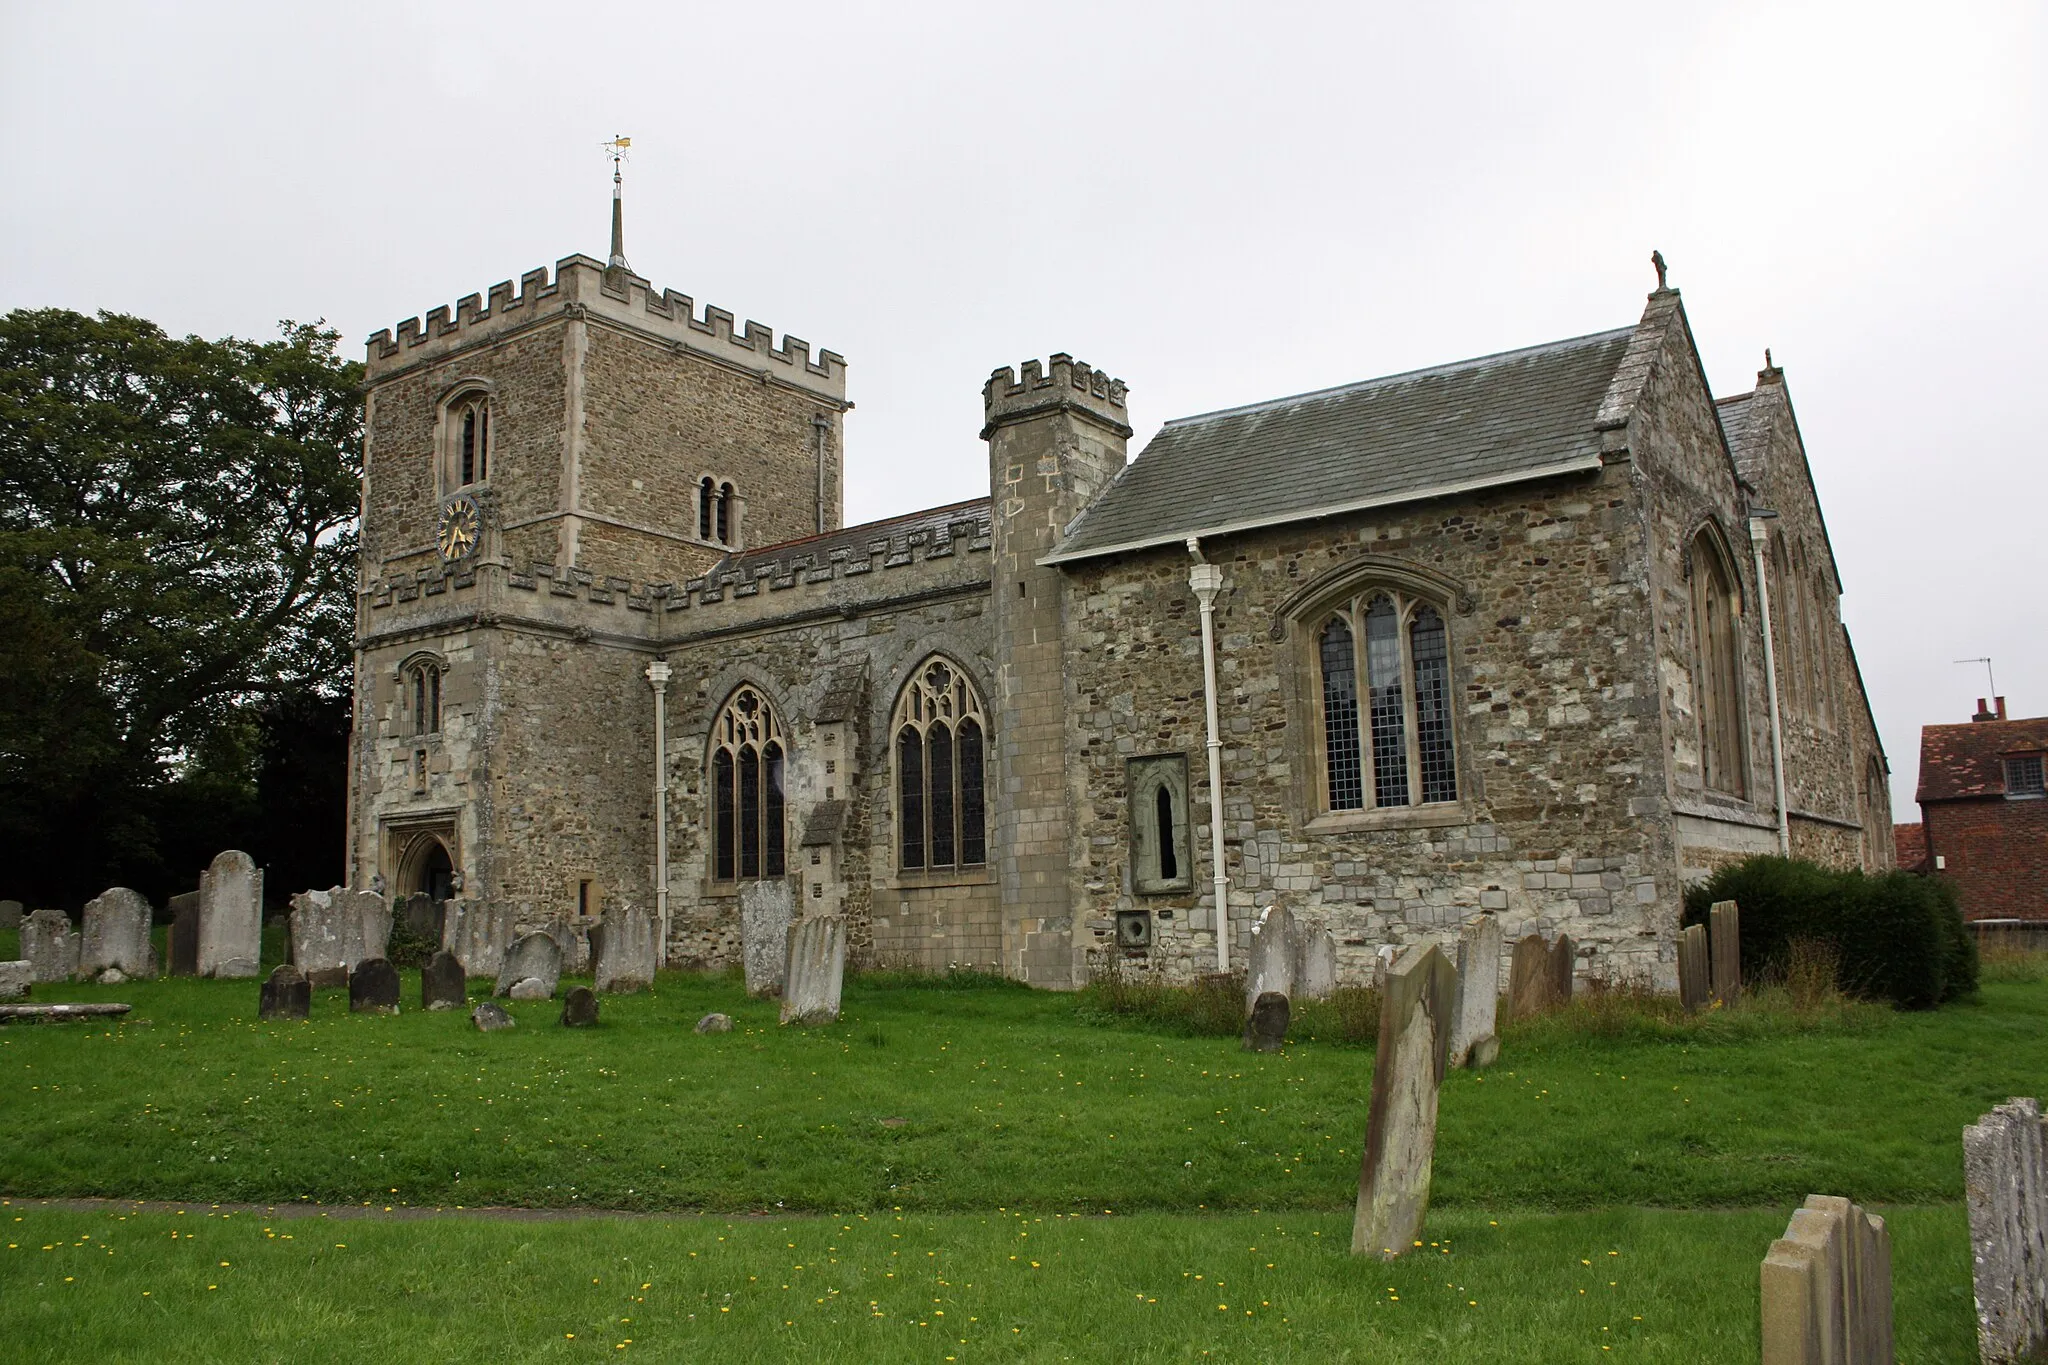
pixel 940 747
pixel 747 762
pixel 1384 663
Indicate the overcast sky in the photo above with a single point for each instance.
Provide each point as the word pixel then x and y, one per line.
pixel 1217 203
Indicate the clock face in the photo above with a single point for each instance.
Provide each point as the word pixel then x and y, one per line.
pixel 461 526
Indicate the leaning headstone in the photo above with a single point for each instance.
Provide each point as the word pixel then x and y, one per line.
pixel 2005 1184
pixel 715 1023
pixel 49 946
pixel 184 934
pixel 15 979
pixel 1529 978
pixel 478 933
pixel 579 1008
pixel 373 987
pixel 535 959
pixel 1724 938
pixel 1315 961
pixel 624 953
pixel 1826 1288
pixel 1265 1030
pixel 442 984
pixel 1270 967
pixel 113 943
pixel 490 1016
pixel 816 970
pixel 1695 979
pixel 1416 1009
pixel 573 940
pixel 1479 949
pixel 231 916
pixel 10 914
pixel 765 911
pixel 286 994
pixel 1563 960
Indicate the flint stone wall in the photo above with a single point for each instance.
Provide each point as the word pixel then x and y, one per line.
pixel 230 917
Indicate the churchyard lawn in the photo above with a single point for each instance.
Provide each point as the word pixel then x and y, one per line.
pixel 976 1125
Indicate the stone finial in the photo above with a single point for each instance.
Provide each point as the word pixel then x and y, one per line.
pixel 1657 260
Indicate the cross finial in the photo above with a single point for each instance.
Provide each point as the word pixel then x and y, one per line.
pixel 1767 359
pixel 1657 260
pixel 617 148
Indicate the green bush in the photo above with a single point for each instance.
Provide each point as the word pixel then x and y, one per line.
pixel 1895 936
pixel 406 948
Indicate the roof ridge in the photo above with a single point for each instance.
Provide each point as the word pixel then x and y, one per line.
pixel 859 526
pixel 1360 385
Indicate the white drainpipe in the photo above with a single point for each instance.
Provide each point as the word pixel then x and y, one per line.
pixel 657 677
pixel 1763 595
pixel 1207 580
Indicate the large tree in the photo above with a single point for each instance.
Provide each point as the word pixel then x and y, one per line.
pixel 177 547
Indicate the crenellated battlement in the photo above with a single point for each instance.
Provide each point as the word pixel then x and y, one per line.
pixel 1066 383
pixel 584 286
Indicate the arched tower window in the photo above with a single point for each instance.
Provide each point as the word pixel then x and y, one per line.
pixel 419 690
pixel 940 745
pixel 748 763
pixel 718 512
pixel 1717 666
pixel 1402 751
pixel 707 494
pixel 726 513
pixel 466 440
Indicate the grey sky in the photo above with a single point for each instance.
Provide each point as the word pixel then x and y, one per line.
pixel 1216 203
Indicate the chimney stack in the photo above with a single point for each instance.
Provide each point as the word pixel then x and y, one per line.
pixel 1983 713
pixel 1999 702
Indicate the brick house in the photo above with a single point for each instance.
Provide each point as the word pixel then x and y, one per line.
pixel 1984 812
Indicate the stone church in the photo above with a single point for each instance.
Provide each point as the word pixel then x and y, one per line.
pixel 1548 633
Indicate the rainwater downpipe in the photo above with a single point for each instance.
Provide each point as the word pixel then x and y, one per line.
pixel 1207 580
pixel 823 426
pixel 657 678
pixel 1763 595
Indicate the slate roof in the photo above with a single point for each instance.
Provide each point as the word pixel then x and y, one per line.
pixel 1745 445
pixel 1473 424
pixel 1961 761
pixel 934 523
pixel 822 830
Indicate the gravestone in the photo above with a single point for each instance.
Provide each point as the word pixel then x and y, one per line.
pixel 1724 938
pixel 491 1016
pixel 579 1008
pixel 184 935
pixel 534 963
pixel 15 979
pixel 1479 949
pixel 113 943
pixel 231 917
pixel 623 954
pixel 423 916
pixel 1269 968
pixel 1530 978
pixel 715 1023
pixel 1827 1288
pixel 10 914
pixel 573 940
pixel 49 946
pixel 442 984
pixel 1315 961
pixel 335 929
pixel 1695 978
pixel 286 994
pixel 371 914
pixel 2005 1184
pixel 816 970
pixel 373 987
pixel 1563 959
pixel 1265 1030
pixel 1416 1008
pixel 478 933
pixel 765 911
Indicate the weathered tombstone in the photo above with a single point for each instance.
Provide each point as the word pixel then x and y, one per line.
pixel 1269 969
pixel 1315 961
pixel 1695 980
pixel 231 916
pixel 765 912
pixel 491 1016
pixel 534 963
pixel 1725 939
pixel 335 929
pixel 372 916
pixel 15 979
pixel 442 984
pixel 1563 960
pixel 623 955
pixel 10 914
pixel 373 987
pixel 573 940
pixel 422 916
pixel 478 933
pixel 113 944
pixel 2005 1184
pixel 1479 949
pixel 1265 1029
pixel 184 934
pixel 49 946
pixel 1529 978
pixel 1419 998
pixel 286 994
pixel 715 1023
pixel 579 1008
pixel 1826 1288
pixel 816 970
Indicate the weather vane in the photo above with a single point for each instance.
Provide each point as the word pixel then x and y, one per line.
pixel 617 147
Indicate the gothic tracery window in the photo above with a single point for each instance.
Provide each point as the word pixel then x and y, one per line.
pixel 1400 749
pixel 748 763
pixel 1716 611
pixel 940 746
pixel 420 695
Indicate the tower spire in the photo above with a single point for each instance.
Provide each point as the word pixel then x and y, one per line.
pixel 617 147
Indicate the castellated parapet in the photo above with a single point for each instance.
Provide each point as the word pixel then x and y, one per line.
pixel 1070 385
pixel 584 287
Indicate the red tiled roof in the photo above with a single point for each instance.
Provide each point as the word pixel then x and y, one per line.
pixel 1909 846
pixel 1962 761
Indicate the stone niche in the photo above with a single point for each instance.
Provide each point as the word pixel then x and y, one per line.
pixel 1162 861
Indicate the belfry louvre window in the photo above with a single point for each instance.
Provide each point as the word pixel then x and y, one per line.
pixel 1389 743
pixel 420 683
pixel 748 763
pixel 1716 613
pixel 715 511
pixel 469 441
pixel 940 747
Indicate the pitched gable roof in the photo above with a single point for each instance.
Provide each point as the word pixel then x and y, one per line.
pixel 1746 439
pixel 1960 761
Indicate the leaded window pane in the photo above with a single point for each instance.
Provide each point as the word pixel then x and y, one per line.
pixel 750 812
pixel 1340 717
pixel 939 749
pixel 973 800
pixel 910 796
pixel 1389 725
pixel 722 825
pixel 1431 653
pixel 771 811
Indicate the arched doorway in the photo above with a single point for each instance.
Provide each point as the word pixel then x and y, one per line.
pixel 427 867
